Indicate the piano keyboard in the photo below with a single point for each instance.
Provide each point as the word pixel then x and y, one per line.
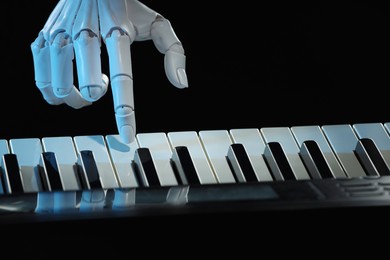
pixel 268 168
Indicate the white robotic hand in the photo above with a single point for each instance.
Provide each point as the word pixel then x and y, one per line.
pixel 76 28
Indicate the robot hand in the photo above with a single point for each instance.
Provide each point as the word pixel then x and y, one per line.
pixel 77 28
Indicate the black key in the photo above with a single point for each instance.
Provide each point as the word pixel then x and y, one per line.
pixel 371 158
pixel 315 161
pixel 185 166
pixel 11 174
pixel 278 162
pixel 89 171
pixel 51 170
pixel 240 163
pixel 145 168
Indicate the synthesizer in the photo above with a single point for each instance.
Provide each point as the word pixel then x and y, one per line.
pixel 185 172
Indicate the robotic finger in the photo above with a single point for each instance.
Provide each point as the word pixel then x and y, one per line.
pixel 167 43
pixel 42 70
pixel 92 83
pixel 118 47
pixel 61 57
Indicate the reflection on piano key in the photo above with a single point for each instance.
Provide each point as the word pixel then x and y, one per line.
pixel 92 200
pixel 305 133
pixel 122 156
pixel 161 154
pixel 315 161
pixel 285 138
pixel 343 140
pixel 240 163
pixel 254 145
pixel 216 144
pixel 378 134
pixel 96 144
pixel 28 152
pixel 124 198
pixel 190 140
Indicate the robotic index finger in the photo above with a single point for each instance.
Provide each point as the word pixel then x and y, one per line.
pixel 119 29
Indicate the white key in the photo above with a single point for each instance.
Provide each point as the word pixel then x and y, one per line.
pixel 191 140
pixel 28 152
pixel 4 149
pixel 97 145
pixel 255 146
pixel 343 140
pixel 122 157
pixel 387 127
pixel 161 153
pixel 304 133
pixel 285 138
pixel 216 144
pixel 66 155
pixel 378 133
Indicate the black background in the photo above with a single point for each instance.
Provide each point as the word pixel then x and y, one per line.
pixel 249 64
pixel 273 64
